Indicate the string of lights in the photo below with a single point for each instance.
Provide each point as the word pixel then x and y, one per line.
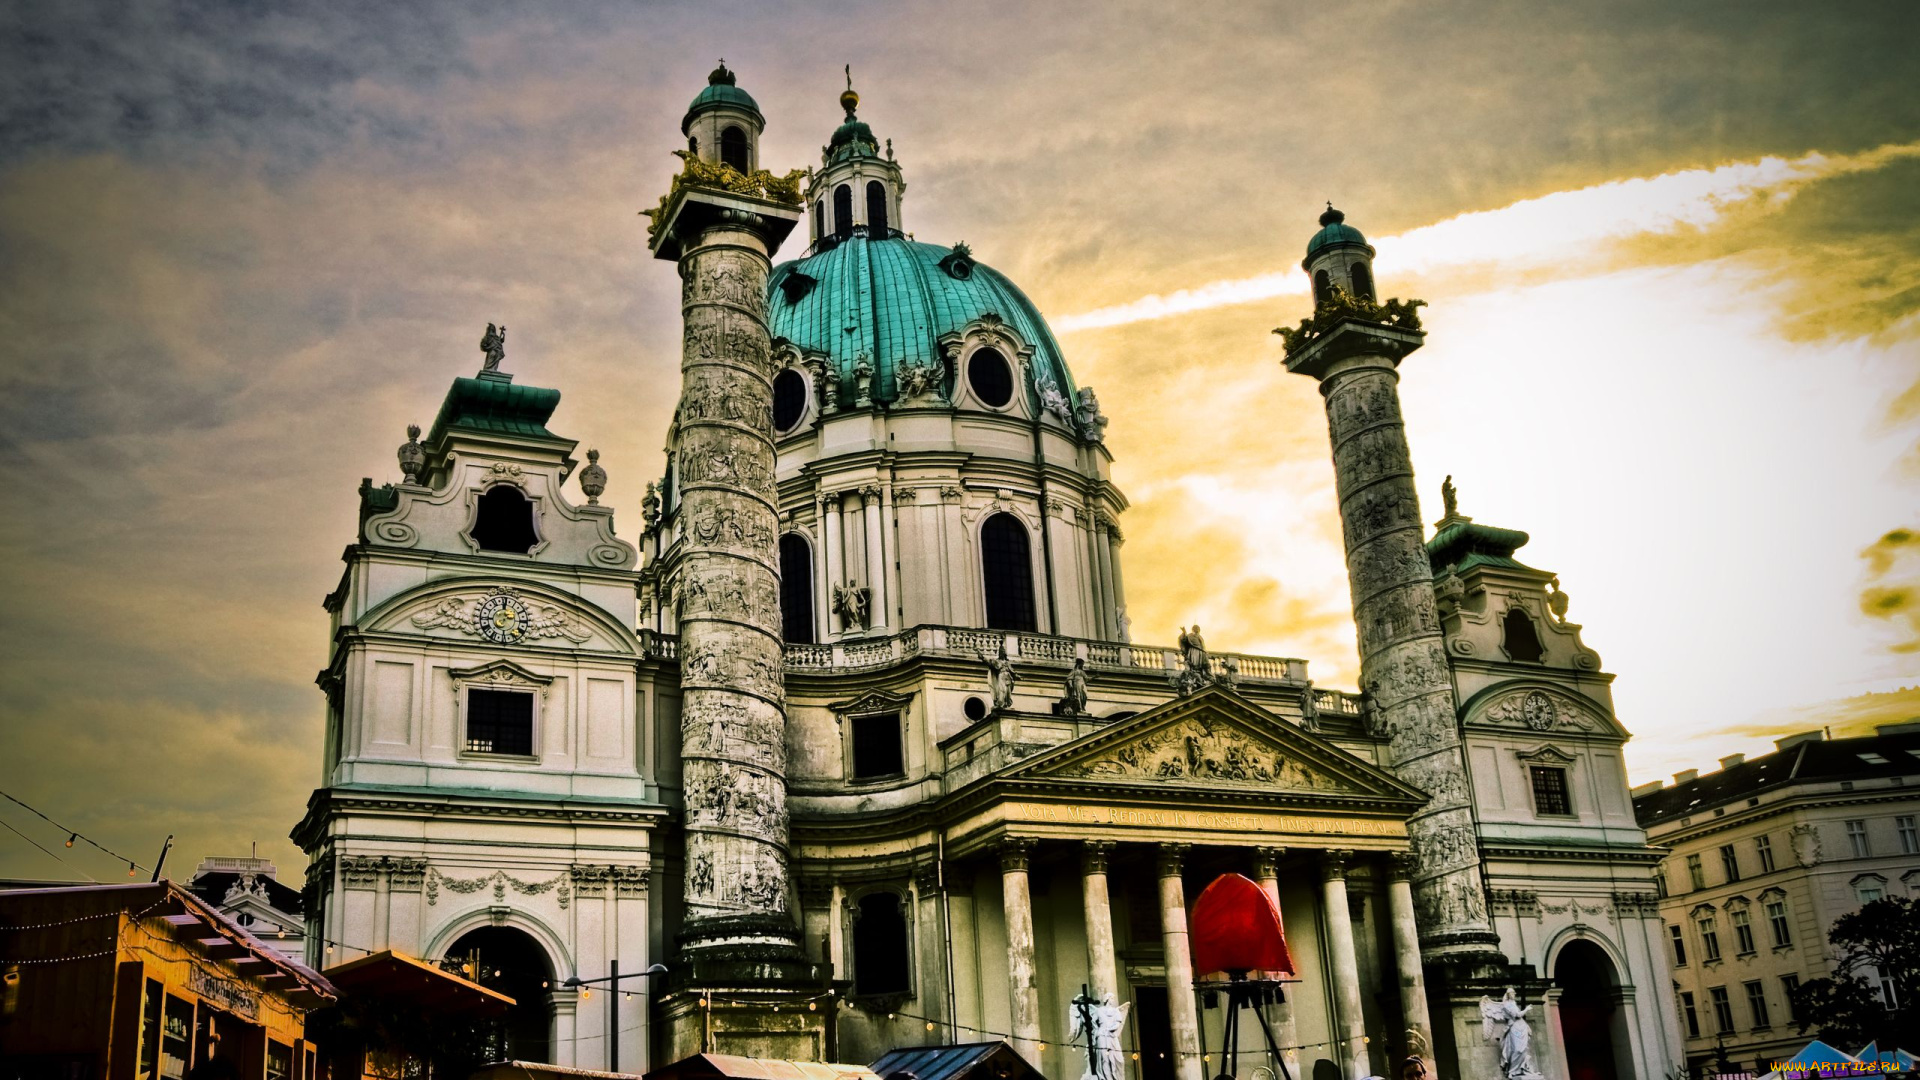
pixel 812 1003
pixel 52 855
pixel 73 835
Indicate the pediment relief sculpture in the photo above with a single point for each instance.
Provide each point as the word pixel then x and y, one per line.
pixel 1195 752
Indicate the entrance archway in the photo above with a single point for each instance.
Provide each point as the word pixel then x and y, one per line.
pixel 509 960
pixel 1592 1024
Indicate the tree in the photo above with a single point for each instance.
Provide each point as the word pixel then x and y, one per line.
pixel 1848 1009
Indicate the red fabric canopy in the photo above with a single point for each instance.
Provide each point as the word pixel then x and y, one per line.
pixel 1236 927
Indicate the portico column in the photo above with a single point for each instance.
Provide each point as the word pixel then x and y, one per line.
pixel 1102 578
pixel 1181 1009
pixel 1116 582
pixel 1349 1025
pixel 830 514
pixel 1093 889
pixel 1022 994
pixel 876 559
pixel 1266 871
pixel 1406 957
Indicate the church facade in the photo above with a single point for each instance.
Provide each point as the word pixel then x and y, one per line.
pixel 855 738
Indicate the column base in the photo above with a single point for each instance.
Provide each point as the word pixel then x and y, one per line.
pixel 743 986
pixel 1455 985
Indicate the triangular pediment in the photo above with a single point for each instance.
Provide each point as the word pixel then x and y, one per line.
pixel 1214 741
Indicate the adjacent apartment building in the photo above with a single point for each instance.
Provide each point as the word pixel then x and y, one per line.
pixel 1764 855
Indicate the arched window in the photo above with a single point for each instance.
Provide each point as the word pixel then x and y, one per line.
pixel 1322 287
pixel 796 589
pixel 820 218
pixel 880 945
pixel 789 399
pixel 504 521
pixel 1362 281
pixel 843 210
pixel 991 378
pixel 1522 640
pixel 1006 567
pixel 733 148
pixel 876 210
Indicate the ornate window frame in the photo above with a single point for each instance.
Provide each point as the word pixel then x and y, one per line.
pixel 873 703
pixel 904 896
pixel 787 357
pixel 499 675
pixel 990 331
pixel 1550 756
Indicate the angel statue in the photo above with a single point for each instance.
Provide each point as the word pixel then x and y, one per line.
pixel 1096 1026
pixel 1516 1041
pixel 494 344
pixel 1001 675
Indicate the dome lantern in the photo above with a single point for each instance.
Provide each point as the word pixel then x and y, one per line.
pixel 857 190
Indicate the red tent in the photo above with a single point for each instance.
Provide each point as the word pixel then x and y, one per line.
pixel 1236 927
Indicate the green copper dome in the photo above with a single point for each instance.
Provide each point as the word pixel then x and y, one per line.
pixel 720 92
pixel 1333 230
pixel 892 300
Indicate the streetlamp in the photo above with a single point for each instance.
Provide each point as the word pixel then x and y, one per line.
pixel 613 1021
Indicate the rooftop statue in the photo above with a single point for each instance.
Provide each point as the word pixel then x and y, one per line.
pixel 494 344
pixel 1450 496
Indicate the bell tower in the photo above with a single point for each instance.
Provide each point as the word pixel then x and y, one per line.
pixel 721 223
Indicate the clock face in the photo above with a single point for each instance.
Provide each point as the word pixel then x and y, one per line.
pixel 502 618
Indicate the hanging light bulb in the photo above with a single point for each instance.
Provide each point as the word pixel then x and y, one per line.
pixel 129 869
pixel 72 838
pixel 929 1025
pixel 629 995
pixel 585 994
pixel 1136 1055
pixel 813 1006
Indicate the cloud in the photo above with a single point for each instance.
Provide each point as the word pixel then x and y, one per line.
pixel 1893 594
pixel 1568 229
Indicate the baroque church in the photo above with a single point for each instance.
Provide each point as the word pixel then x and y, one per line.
pixel 852 735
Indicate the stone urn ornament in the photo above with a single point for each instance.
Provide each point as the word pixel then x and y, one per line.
pixel 413 456
pixel 593 478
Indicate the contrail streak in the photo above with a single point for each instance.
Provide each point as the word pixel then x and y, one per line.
pixel 1536 232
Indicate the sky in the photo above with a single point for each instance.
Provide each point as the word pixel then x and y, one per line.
pixel 1671 252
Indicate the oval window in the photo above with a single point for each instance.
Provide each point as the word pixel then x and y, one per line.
pixel 789 399
pixel 991 378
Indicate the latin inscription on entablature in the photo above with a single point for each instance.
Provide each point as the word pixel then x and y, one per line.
pixel 1203 820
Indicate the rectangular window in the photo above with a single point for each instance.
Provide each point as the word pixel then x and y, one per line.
pixel 1696 874
pixel 499 722
pixel 1709 939
pixel 877 747
pixel 1757 1004
pixel 176 1038
pixel 1722 1009
pixel 1729 862
pixel 1869 890
pixel 150 1029
pixel 1909 834
pixel 1887 993
pixel 1789 986
pixel 279 1061
pixel 1763 847
pixel 1742 930
pixel 1777 921
pixel 1679 946
pixel 1550 791
pixel 1660 882
pixel 1688 1014
pixel 1857 837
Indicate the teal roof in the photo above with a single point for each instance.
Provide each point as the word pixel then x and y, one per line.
pixel 893 299
pixel 720 92
pixel 1462 545
pixel 1334 230
pixel 491 403
pixel 852 139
